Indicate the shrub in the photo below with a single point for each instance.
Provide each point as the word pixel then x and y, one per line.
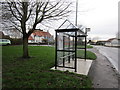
pixel 15 41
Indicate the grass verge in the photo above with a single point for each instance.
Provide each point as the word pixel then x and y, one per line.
pixel 89 54
pixel 35 72
pixel 88 46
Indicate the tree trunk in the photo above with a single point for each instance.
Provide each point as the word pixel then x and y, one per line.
pixel 25 47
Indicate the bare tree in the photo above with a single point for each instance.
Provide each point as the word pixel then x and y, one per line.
pixel 31 13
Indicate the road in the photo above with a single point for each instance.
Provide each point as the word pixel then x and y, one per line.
pixel 111 53
pixel 102 73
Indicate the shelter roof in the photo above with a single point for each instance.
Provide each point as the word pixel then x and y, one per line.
pixel 67 26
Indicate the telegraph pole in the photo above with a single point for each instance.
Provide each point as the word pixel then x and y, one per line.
pixel 76 12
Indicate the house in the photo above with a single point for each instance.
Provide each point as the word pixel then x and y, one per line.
pixel 40 36
pixel 101 42
pixel 113 42
pixel 13 33
pixel 2 35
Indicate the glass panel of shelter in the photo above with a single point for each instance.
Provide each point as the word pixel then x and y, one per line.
pixel 65 49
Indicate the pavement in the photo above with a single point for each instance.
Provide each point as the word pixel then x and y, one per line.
pixel 102 72
pixel 82 66
pixel 39 45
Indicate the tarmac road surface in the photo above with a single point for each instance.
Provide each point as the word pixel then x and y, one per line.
pixel 102 73
pixel 111 53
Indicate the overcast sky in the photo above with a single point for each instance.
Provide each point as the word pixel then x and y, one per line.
pixel 100 15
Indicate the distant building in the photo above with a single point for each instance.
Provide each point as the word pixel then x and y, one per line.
pixel 2 35
pixel 101 42
pixel 39 36
pixel 113 42
pixel 13 33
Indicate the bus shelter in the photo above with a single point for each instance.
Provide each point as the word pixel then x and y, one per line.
pixel 66 45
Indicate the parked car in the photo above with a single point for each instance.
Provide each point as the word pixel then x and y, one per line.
pixel 5 42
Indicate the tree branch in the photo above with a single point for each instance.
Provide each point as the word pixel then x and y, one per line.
pixel 17 9
pixel 57 12
pixel 12 11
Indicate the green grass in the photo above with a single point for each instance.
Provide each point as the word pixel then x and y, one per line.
pixel 88 46
pixel 89 54
pixel 35 72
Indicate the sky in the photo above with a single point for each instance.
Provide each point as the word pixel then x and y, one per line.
pixel 99 15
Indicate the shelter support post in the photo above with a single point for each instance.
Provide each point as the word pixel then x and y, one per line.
pixel 73 48
pixel 56 51
pixel 75 51
pixel 85 48
pixel 69 48
pixel 63 49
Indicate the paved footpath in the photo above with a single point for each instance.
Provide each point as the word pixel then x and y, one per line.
pixel 102 72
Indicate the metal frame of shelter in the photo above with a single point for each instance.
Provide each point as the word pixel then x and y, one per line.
pixel 66 45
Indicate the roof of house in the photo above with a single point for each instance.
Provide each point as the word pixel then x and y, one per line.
pixel 41 33
pixel 30 38
pixel 109 40
pixel 101 41
pixel 1 33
